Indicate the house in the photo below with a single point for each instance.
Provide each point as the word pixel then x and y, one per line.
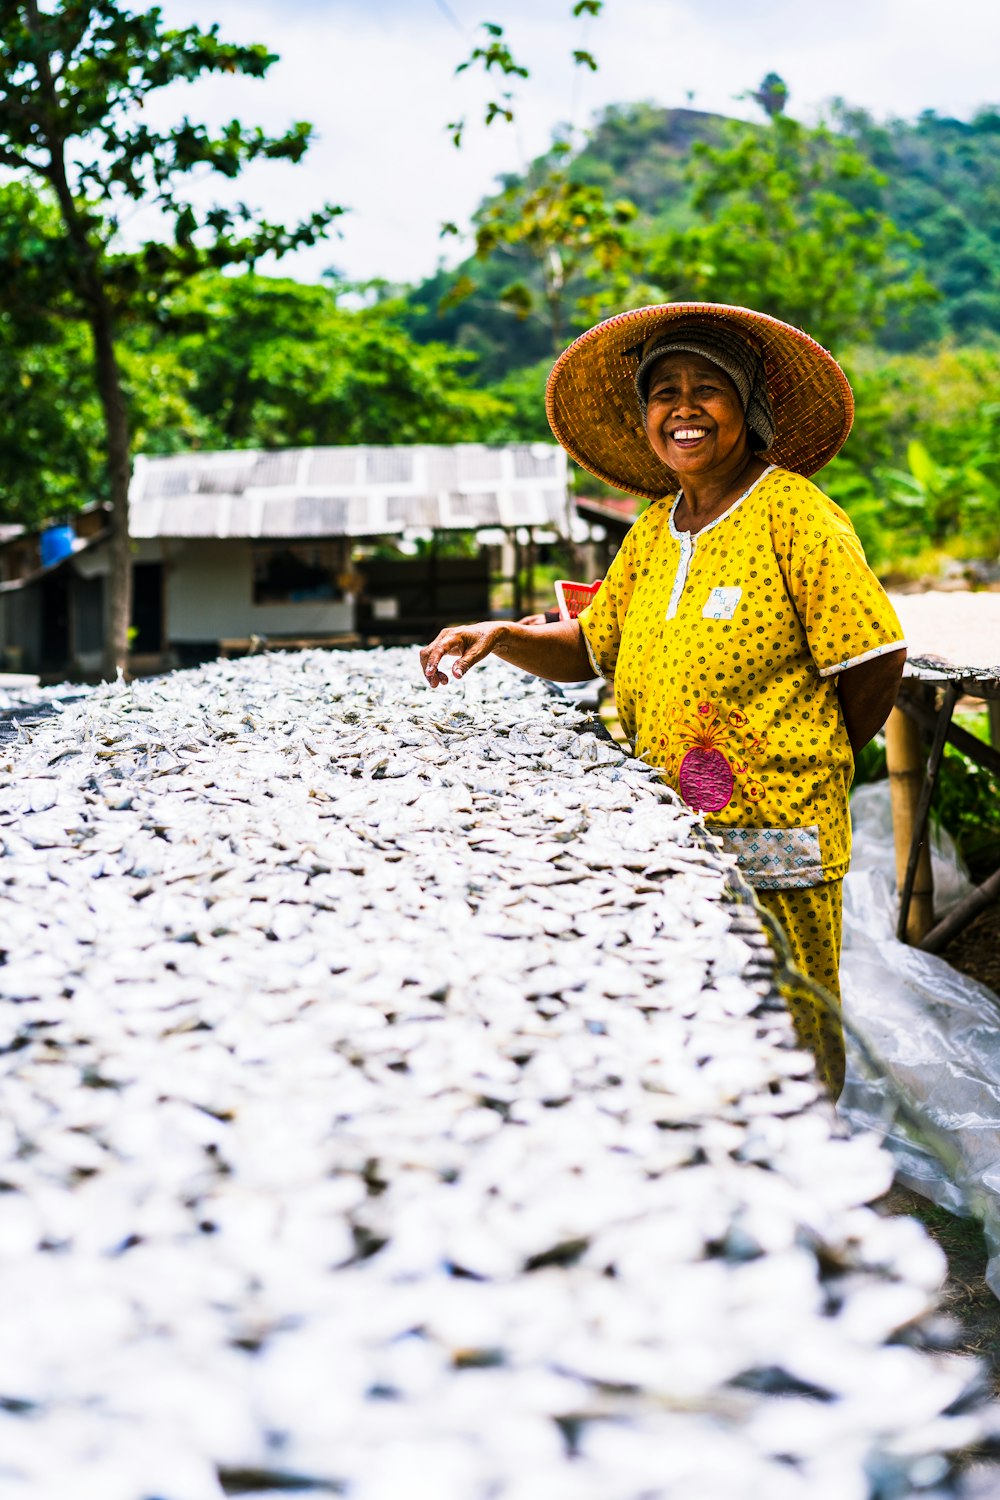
pixel 52 609
pixel 288 546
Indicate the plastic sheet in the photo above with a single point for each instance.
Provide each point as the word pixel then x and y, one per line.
pixel 923 1041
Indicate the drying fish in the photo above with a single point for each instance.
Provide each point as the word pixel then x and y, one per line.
pixel 400 1101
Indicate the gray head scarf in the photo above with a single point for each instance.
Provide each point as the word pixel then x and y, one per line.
pixel 728 350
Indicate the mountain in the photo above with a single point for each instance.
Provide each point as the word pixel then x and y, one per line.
pixel 941 185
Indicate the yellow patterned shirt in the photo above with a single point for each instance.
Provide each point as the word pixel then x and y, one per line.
pixel 724 648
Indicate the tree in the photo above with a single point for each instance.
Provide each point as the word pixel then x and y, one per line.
pixel 789 220
pixel 51 427
pixel 569 229
pixel 565 226
pixel 50 420
pixel 921 468
pixel 74 80
pixel 272 363
pixel 523 418
pixel 495 53
pixel 772 96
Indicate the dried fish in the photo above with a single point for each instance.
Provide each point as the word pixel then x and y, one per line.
pixel 397 1102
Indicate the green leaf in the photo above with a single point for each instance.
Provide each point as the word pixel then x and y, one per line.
pixel 495 110
pixel 518 298
pixel 461 288
pixel 922 466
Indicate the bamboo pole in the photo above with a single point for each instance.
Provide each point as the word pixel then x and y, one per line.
pixel 961 915
pixel 905 762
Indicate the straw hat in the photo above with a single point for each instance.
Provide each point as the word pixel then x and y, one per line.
pixel 593 407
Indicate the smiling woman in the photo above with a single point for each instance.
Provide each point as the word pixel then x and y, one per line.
pixel 682 383
pixel 753 651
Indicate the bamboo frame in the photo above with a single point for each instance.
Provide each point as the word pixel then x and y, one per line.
pixel 905 763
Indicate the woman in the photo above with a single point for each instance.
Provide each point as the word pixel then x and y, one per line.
pixel 752 649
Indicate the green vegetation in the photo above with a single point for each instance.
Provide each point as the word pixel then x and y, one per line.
pixel 920 474
pixel 271 364
pixel 966 797
pixel 568 230
pixel 789 219
pixel 967 802
pixel 881 238
pixel 75 80
pixel 930 187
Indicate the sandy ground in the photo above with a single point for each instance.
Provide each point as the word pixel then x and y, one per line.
pixel 962 628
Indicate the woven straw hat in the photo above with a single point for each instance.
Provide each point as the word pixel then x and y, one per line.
pixel 593 408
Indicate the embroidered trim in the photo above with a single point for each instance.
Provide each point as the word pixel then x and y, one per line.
pixel 774 858
pixel 680 577
pixel 855 661
pixel 687 540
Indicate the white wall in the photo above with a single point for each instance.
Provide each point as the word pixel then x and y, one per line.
pixel 209 588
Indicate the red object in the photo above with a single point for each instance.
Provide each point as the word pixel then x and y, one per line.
pixel 573 597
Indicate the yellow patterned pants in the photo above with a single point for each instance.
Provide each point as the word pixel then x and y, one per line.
pixel 812 920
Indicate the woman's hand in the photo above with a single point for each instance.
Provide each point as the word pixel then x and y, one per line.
pixel 556 652
pixel 469 643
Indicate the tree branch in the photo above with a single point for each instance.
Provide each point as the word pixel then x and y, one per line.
pixel 19 161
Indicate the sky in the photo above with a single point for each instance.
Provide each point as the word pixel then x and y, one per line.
pixel 377 80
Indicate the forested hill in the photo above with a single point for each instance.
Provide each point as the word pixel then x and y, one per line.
pixel 943 184
pixel 940 184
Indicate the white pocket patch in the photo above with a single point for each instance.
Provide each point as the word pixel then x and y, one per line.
pixel 721 604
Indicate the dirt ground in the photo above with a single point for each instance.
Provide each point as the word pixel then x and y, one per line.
pixel 976 951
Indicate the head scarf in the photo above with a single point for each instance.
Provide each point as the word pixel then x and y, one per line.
pixel 731 353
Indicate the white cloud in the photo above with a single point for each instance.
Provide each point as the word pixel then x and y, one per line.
pixel 377 79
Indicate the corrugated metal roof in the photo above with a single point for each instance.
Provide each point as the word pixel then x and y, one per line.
pixel 349 491
pixel 62 564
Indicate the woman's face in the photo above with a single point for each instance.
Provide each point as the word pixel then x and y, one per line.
pixel 694 416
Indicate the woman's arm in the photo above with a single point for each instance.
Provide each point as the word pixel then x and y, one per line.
pixel 556 652
pixel 867 693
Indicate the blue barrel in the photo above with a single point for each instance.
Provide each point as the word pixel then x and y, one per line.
pixel 56 543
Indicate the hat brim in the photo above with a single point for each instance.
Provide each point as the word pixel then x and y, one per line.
pixel 593 407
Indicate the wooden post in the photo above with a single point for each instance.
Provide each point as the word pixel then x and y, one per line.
pixel 518 601
pixel 905 762
pixel 529 579
pixel 978 899
pixel 993 709
pixel 432 582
